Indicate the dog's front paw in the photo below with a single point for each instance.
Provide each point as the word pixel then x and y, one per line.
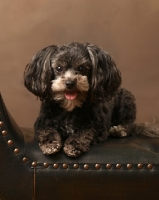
pixel 118 131
pixel 74 147
pixel 71 151
pixel 50 147
pixel 50 142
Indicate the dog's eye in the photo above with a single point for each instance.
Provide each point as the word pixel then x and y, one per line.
pixel 82 69
pixel 59 69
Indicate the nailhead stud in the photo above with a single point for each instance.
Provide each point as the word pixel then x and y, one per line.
pixel 140 166
pixel 86 166
pixel 4 133
pixel 65 166
pixel 16 151
pixel 108 166
pixel 46 165
pixel 129 166
pixel 25 159
pixel 34 164
pixel 75 166
pixel 1 123
pixel 55 166
pixel 10 142
pixel 149 166
pixel 97 166
pixel 118 166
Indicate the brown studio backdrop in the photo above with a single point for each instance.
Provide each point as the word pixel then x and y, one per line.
pixel 128 29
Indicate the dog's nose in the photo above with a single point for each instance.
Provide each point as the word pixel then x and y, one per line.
pixel 70 84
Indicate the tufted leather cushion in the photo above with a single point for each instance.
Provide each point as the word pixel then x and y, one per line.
pixel 125 168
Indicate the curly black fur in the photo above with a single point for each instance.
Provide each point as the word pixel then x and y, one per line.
pixel 82 102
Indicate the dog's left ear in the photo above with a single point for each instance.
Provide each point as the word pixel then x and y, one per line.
pixel 106 78
pixel 38 73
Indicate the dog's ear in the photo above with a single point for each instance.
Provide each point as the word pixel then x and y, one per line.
pixel 106 78
pixel 38 73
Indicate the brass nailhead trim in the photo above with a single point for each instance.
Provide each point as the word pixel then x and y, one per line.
pixel 118 166
pixel 149 166
pixel 10 142
pixel 4 133
pixel 129 166
pixel 86 166
pixel 75 166
pixel 25 159
pixel 1 123
pixel 46 165
pixel 97 166
pixel 16 151
pixel 108 166
pixel 34 164
pixel 65 166
pixel 55 166
pixel 140 166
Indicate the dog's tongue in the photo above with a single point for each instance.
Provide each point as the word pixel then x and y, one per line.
pixel 70 95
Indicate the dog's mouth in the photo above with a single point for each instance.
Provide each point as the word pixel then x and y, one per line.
pixel 71 95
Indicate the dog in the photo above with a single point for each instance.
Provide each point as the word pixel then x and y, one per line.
pixel 83 103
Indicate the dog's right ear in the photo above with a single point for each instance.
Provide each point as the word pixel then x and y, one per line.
pixel 38 73
pixel 106 77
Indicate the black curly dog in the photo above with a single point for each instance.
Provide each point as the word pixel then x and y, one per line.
pixel 82 102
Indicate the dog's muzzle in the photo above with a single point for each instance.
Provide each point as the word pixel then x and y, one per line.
pixel 70 94
pixel 70 84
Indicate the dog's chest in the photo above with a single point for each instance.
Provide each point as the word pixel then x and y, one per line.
pixel 71 123
pixel 69 129
pixel 68 125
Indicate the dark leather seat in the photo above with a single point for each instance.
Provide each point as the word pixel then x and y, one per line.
pixel 125 168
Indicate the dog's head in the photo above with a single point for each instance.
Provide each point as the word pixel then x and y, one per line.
pixel 72 74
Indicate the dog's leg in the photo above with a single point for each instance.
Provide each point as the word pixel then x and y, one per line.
pixel 124 113
pixel 118 131
pixel 135 129
pixel 78 143
pixel 49 141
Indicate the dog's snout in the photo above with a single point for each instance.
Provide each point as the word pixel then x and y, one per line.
pixel 70 84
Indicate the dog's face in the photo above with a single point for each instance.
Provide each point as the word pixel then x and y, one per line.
pixel 72 71
pixel 72 74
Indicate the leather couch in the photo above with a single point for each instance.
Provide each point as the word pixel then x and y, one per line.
pixel 125 168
